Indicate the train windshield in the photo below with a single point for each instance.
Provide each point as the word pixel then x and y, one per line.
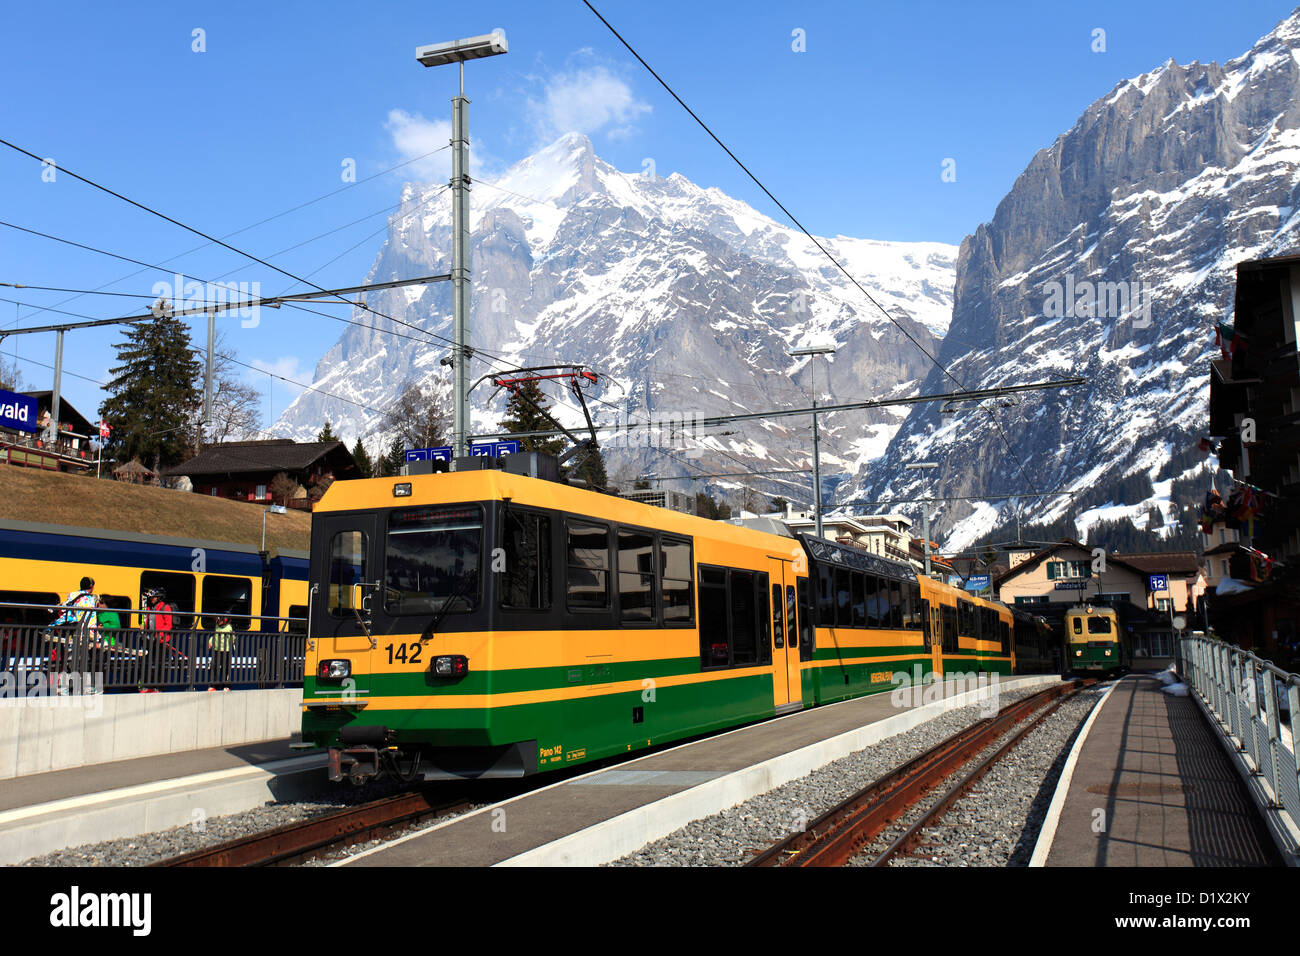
pixel 431 560
pixel 1098 625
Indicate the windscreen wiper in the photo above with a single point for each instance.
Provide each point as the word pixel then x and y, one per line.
pixel 436 621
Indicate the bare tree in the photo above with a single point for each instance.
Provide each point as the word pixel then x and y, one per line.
pixel 236 405
pixel 11 380
pixel 418 419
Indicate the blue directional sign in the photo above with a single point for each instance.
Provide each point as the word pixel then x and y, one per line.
pixel 443 452
pixel 17 412
pixel 1157 582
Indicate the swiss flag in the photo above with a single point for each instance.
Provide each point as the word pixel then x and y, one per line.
pixel 104 429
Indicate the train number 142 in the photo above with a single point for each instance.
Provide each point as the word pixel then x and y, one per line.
pixel 404 653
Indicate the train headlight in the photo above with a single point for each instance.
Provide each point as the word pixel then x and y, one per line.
pixel 451 665
pixel 1078 653
pixel 334 669
pixel 1108 653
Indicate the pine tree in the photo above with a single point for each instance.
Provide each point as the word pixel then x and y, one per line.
pixel 779 504
pixel 591 468
pixel 523 415
pixel 153 396
pixel 365 467
pixel 326 434
pixel 393 462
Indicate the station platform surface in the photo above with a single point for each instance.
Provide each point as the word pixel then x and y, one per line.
pixel 1168 791
pixel 495 834
pixel 39 788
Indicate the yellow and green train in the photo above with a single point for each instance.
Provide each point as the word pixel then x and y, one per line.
pixel 483 623
pixel 1094 641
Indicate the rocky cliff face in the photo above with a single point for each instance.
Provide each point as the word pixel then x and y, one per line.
pixel 689 300
pixel 1111 258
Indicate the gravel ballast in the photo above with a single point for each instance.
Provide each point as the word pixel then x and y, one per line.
pixel 734 836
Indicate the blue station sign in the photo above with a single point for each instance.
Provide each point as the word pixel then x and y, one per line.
pixel 17 412
pixel 443 452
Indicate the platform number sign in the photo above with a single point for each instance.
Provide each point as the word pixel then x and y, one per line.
pixel 1157 582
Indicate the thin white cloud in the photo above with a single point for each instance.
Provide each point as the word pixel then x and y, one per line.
pixel 288 367
pixel 586 100
pixel 414 136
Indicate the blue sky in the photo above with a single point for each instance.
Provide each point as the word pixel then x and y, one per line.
pixel 852 133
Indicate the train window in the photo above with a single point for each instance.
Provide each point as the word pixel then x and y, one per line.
pixel 588 566
pixel 231 597
pixel 431 560
pixel 790 617
pixel 675 576
pixel 1005 633
pixel 948 621
pixel 807 633
pixel 30 616
pixel 636 576
pixel 778 630
pixel 1098 625
pixel 859 601
pixel 526 549
pixel 179 591
pixel 872 601
pixel 1078 626
pixel 743 625
pixel 714 639
pixel 297 623
pixel 917 619
pixel 825 596
pixel 895 604
pixel 764 635
pixel 843 599
pixel 347 569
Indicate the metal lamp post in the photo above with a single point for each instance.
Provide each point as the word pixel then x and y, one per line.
pixel 925 511
pixel 817 464
pixel 438 54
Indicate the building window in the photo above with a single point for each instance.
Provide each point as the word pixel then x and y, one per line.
pixel 1226 574
pixel 261 492
pixel 1162 604
pixel 1066 570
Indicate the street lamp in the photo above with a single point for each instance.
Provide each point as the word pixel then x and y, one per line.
pixel 817 464
pixel 271 510
pixel 925 511
pixel 440 54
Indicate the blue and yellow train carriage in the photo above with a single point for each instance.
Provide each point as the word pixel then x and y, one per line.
pixel 486 623
pixel 40 564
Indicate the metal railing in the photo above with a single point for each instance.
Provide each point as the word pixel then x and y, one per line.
pixel 84 655
pixel 1257 709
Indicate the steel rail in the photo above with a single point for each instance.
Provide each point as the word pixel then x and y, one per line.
pixel 840 833
pixel 296 842
pixel 912 835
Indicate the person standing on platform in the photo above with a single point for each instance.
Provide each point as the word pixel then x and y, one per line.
pixel 222 644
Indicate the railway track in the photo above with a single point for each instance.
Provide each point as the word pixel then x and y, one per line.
pixel 297 842
pixel 844 831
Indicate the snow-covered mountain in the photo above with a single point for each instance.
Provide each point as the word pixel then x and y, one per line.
pixel 687 298
pixel 1144 207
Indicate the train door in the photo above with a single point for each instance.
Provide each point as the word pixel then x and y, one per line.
pixel 344 576
pixel 788 694
pixel 936 640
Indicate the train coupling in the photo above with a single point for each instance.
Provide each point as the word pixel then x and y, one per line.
pixel 358 760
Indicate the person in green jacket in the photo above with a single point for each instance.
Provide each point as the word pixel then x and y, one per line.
pixel 222 644
pixel 109 623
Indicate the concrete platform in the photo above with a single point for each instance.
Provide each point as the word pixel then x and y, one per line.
pixel 1153 787
pixel 40 813
pixel 605 814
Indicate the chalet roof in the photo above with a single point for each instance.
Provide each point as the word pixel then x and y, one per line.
pixel 132 467
pixel 1162 562
pixel 273 455
pixel 69 417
